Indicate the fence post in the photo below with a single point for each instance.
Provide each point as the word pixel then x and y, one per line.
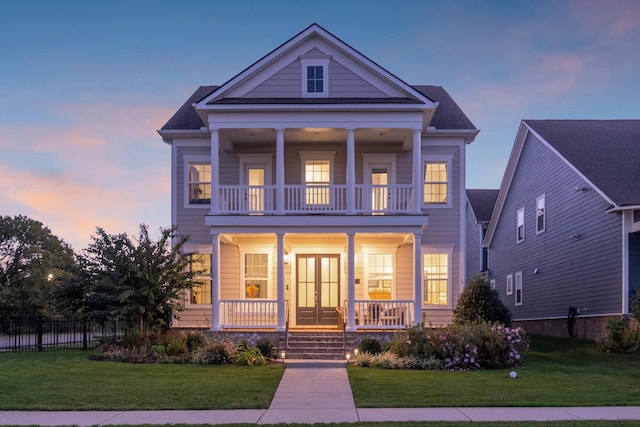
pixel 39 322
pixel 84 333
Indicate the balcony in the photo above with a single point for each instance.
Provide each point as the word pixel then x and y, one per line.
pixel 316 199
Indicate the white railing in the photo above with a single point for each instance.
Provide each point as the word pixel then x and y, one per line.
pixel 369 199
pixel 383 314
pixel 249 314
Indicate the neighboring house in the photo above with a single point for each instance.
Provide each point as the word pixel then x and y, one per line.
pixel 479 207
pixel 564 237
pixel 316 185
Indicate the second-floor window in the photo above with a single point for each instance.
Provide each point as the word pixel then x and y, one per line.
pixel 540 215
pixel 437 182
pixel 520 225
pixel 199 186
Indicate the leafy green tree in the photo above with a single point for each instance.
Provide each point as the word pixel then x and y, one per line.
pixel 479 302
pixel 33 264
pixel 139 280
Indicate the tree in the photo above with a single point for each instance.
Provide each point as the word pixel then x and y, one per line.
pixel 33 264
pixel 479 302
pixel 139 281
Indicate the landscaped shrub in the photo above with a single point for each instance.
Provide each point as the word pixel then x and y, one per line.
pixel 472 345
pixel 266 347
pixel 623 336
pixel 479 302
pixel 370 345
pixel 195 340
pixel 217 353
pixel 248 355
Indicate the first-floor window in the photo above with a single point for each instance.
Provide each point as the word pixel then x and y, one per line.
pixel 256 275
pixel 510 284
pixel 200 293
pixel 519 288
pixel 379 276
pixel 436 278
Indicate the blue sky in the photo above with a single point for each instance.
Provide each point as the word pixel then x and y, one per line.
pixel 84 85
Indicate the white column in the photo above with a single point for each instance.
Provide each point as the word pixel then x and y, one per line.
pixel 417 171
pixel 417 277
pixel 281 301
pixel 280 171
pixel 351 172
pixel 351 282
pixel 215 282
pixel 215 167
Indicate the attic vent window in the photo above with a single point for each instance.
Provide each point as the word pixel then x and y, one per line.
pixel 315 77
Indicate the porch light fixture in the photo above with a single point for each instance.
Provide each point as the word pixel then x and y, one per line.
pixel 285 257
pixel 283 355
pixel 348 357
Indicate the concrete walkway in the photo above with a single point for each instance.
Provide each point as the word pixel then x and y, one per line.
pixel 315 392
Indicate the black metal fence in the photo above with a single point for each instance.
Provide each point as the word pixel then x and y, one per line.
pixel 56 333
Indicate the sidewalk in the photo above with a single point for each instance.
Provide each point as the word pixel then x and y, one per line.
pixel 316 392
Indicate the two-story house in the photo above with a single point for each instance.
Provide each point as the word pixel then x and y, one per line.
pixel 479 208
pixel 317 185
pixel 564 237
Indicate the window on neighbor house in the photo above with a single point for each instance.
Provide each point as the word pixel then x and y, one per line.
pixel 317 178
pixel 520 226
pixel 436 279
pixel 540 215
pixel 379 276
pixel 492 282
pixel 436 182
pixel 200 293
pixel 199 186
pixel 256 275
pixel 519 288
pixel 510 284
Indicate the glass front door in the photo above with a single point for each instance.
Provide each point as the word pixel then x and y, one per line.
pixel 318 289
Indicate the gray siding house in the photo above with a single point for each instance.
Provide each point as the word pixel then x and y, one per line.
pixel 479 207
pixel 564 237
pixel 317 186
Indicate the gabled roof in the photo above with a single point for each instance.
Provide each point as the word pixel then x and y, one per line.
pixel 482 202
pixel 605 153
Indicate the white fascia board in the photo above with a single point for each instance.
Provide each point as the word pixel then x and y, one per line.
pixel 469 135
pixel 623 208
pixel 316 119
pixel 169 135
pixel 321 223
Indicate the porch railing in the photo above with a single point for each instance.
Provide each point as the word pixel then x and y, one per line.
pixel 384 314
pixel 300 199
pixel 249 314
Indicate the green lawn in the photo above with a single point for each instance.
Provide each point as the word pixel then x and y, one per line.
pixel 68 380
pixel 559 372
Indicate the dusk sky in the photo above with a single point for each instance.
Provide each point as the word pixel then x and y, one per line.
pixel 85 85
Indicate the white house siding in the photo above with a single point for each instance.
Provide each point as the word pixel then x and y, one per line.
pixel 584 272
pixel 287 83
pixel 190 220
pixel 343 83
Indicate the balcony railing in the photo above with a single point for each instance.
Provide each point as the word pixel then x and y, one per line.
pixel 300 199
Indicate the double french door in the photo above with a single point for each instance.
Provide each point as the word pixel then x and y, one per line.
pixel 318 289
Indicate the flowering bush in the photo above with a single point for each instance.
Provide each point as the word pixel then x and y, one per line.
pixel 465 346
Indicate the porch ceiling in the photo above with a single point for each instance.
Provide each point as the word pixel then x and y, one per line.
pixel 308 135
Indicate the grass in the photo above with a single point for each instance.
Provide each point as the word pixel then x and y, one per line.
pixel 68 380
pixel 559 372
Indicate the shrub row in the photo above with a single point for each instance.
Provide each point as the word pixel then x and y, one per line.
pixel 472 345
pixel 180 347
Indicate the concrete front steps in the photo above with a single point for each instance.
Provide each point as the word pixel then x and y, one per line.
pixel 323 345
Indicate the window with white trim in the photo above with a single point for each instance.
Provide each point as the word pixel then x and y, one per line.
pixel 437 279
pixel 256 275
pixel 198 183
pixel 200 293
pixel 317 175
pixel 519 288
pixel 379 276
pixel 315 77
pixel 540 214
pixel 520 226
pixel 510 284
pixel 437 181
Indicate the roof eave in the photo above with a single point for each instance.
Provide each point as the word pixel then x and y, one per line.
pixel 168 135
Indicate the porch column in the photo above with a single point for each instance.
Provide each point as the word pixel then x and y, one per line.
pixel 351 282
pixel 215 282
pixel 279 171
pixel 418 278
pixel 281 302
pixel 417 171
pixel 351 172
pixel 215 175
